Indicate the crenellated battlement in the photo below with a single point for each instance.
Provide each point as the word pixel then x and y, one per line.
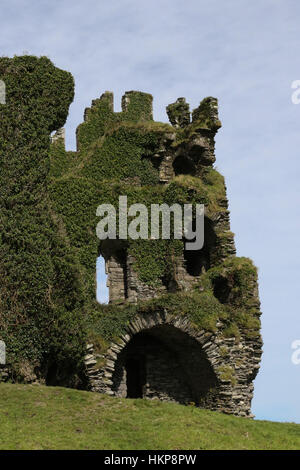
pixel 136 107
pixel 205 116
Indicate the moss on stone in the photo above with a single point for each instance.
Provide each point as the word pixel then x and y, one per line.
pixel 227 374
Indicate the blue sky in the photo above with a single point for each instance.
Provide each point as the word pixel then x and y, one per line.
pixel 247 55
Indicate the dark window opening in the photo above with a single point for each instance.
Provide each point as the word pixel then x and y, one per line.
pixel 198 260
pixel 221 289
pixel 155 161
pixel 170 282
pixel 184 165
pixel 195 261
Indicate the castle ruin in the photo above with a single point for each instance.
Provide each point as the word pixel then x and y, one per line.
pixel 180 325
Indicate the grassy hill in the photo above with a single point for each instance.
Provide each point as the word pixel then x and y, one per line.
pixel 38 417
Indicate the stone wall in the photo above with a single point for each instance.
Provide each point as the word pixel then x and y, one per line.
pixel 180 364
pixel 124 283
pixel 164 356
pixel 116 279
pixel 172 158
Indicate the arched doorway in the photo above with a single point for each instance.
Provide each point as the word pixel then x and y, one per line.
pixel 166 363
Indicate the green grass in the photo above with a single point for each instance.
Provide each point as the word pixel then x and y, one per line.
pixel 39 417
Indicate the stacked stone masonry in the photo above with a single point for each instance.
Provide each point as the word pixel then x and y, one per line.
pixel 180 364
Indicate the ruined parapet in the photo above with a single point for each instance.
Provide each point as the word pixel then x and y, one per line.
pixel 137 105
pixel 106 100
pixel 195 148
pixel 179 113
pixel 206 115
pixel 108 97
pixel 100 117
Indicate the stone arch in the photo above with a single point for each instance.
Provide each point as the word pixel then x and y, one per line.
pixel 172 362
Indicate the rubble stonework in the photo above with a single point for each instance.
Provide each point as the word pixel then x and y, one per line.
pixel 218 381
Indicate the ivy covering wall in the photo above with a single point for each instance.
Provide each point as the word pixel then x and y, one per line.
pixel 48 243
pixel 41 296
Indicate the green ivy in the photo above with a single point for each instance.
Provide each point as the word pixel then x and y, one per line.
pixel 48 202
pixel 41 296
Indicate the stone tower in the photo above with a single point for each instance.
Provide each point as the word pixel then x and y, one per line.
pixel 194 335
pixel 180 325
